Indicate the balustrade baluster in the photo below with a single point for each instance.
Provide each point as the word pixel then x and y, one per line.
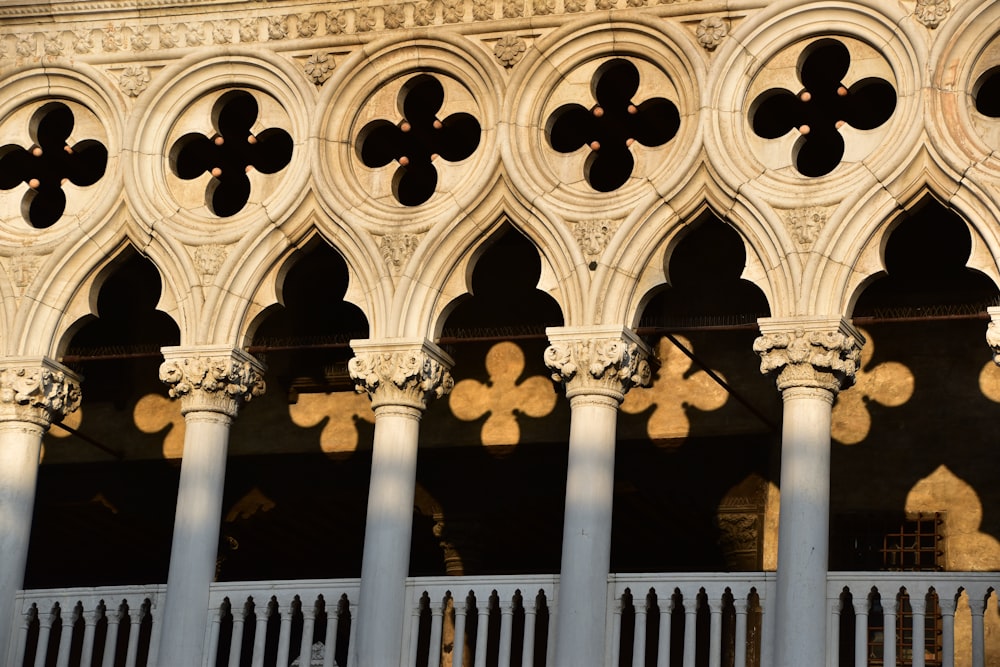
pixel 860 630
pixel 715 631
pixel 213 634
pixel 260 637
pixel 977 607
pixel 889 608
pixel 352 645
pixel 616 630
pixel 236 641
pixel 44 630
pixel 666 614
pixel 284 633
pixel 434 650
pixel 111 638
pixel 414 633
pixel 530 618
pixel 308 629
pixel 89 628
pixel 66 639
pixel 947 604
pixel 132 652
pixel 155 633
pixel 690 626
pixel 550 648
pixel 458 649
pixel 506 632
pixel 332 625
pixel 22 638
pixel 918 603
pixel 740 641
pixel 482 625
pixel 833 633
pixel 639 636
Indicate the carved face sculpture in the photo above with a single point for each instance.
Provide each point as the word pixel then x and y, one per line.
pixel 593 236
pixel 397 248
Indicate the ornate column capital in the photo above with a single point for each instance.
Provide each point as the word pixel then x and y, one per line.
pixel 211 379
pixel 400 371
pixel 604 360
pixel 818 353
pixel 993 332
pixel 37 390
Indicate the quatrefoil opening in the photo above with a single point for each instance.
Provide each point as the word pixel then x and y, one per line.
pixel 987 93
pixel 822 107
pixel 49 164
pixel 417 140
pixel 612 125
pixel 231 153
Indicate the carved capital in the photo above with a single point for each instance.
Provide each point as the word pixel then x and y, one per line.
pixel 217 379
pixel 816 353
pixel 37 390
pixel 597 360
pixel 993 332
pixel 407 372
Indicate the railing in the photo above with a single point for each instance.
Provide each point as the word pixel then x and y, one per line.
pixel 277 623
pixel 91 627
pixel 920 607
pixel 923 619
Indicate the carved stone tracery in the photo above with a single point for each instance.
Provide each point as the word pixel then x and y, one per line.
pixel 212 382
pixel 407 374
pixel 601 364
pixel 808 356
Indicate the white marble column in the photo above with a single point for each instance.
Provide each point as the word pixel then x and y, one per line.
pixel 401 376
pixel 812 360
pixel 211 383
pixel 34 392
pixel 598 365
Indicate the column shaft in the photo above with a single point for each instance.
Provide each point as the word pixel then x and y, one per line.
pixel 195 543
pixel 586 546
pixel 388 528
pixel 20 449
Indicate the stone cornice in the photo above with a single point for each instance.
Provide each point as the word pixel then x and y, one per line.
pixel 400 371
pixel 597 360
pixel 37 390
pixel 211 379
pixel 819 353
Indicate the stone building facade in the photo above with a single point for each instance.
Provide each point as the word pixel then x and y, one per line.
pixel 554 295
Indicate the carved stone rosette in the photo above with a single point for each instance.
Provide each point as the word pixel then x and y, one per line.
pixel 401 372
pixel 37 390
pixel 597 360
pixel 821 354
pixel 211 379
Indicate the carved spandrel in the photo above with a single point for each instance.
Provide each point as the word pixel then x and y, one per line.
pixel 394 376
pixel 213 383
pixel 823 359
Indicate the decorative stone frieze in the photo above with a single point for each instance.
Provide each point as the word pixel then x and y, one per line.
pixel 407 372
pixel 816 353
pixel 597 360
pixel 217 379
pixel 37 390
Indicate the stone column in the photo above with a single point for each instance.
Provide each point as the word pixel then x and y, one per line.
pixel 598 365
pixel 34 392
pixel 211 384
pixel 812 360
pixel 400 376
